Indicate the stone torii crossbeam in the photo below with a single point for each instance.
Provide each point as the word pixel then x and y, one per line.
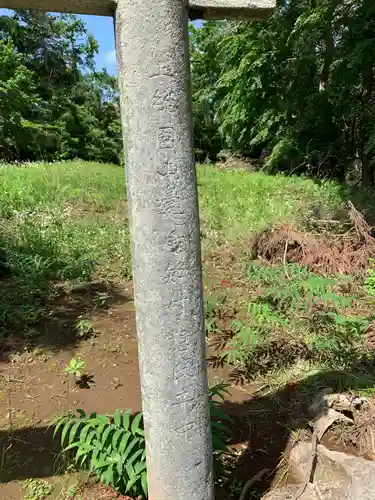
pixel 154 78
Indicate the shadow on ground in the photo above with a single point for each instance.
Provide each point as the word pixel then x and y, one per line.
pixel 43 295
pixel 29 453
pixel 265 424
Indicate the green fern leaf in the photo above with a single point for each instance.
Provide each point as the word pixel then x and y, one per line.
pixel 135 428
pixel 124 442
pixel 119 468
pixel 60 423
pixel 90 436
pixel 140 467
pixel 116 437
pixel 65 430
pixel 126 420
pixel 117 418
pixel 130 448
pixel 131 483
pixel 144 483
pixel 106 435
pixel 74 430
pixel 134 457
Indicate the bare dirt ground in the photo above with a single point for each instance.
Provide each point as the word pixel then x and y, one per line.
pixel 34 389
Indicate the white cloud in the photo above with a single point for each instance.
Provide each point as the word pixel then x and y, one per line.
pixel 110 57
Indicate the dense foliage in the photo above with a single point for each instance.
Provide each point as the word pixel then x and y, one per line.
pixel 53 104
pixel 296 91
pixel 296 321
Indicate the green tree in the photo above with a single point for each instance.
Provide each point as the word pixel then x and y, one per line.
pixel 18 100
pixel 55 105
pixel 205 72
pixel 299 86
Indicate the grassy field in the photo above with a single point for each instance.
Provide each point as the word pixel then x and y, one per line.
pixel 235 203
pixel 281 329
pixel 66 223
pixel 73 214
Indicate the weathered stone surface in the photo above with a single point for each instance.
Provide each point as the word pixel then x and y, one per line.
pixel 95 7
pixel 290 493
pixel 156 116
pixel 220 9
pixel 202 9
pixel 337 476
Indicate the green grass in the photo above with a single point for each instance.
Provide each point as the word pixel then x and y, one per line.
pixel 39 187
pixel 66 222
pixel 58 223
pixel 235 203
pixel 75 209
pixel 69 217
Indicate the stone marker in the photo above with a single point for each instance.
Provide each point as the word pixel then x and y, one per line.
pixel 153 63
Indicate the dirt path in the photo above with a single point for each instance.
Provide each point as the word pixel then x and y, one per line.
pixel 34 389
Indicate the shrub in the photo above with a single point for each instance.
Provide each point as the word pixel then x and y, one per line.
pixel 113 449
pixel 295 315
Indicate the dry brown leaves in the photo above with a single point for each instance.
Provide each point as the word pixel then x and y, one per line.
pixel 347 253
pixel 95 491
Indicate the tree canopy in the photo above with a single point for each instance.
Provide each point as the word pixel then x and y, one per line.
pixel 295 92
pixel 53 104
pixel 299 87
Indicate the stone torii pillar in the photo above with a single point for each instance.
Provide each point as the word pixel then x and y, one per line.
pixel 153 64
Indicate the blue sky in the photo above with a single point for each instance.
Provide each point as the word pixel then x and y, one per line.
pixel 102 29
